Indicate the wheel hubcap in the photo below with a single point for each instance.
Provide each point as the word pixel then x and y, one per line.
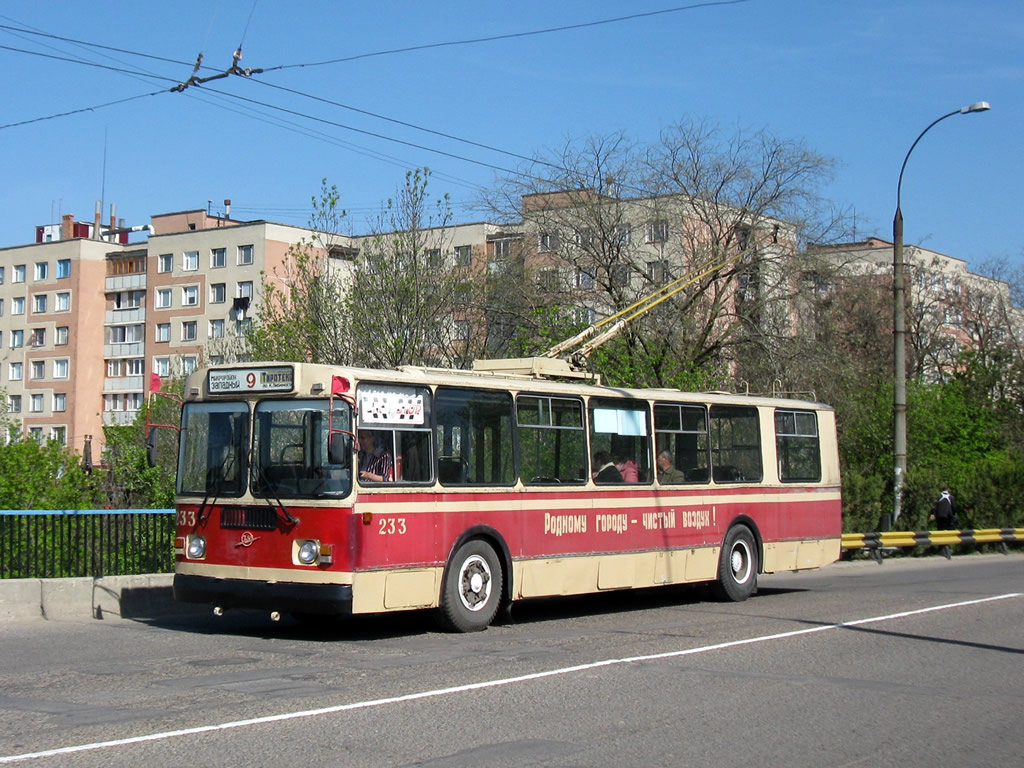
pixel 740 563
pixel 474 583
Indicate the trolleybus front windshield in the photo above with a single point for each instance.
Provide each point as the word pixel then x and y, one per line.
pixel 213 450
pixel 299 451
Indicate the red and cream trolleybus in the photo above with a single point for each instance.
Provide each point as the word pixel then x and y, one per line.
pixel 316 489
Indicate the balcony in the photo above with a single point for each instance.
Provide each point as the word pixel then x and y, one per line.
pixel 126 282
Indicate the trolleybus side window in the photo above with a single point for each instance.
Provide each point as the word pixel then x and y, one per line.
pixel 552 442
pixel 215 440
pixel 681 432
pixel 291 456
pixel 474 437
pixel 796 442
pixel 735 444
pixel 620 428
pixel 399 418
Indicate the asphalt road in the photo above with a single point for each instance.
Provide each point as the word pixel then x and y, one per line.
pixel 911 663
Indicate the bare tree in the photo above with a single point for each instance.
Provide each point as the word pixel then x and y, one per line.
pixel 610 221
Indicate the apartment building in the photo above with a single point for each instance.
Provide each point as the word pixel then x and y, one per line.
pixel 86 322
pixel 949 308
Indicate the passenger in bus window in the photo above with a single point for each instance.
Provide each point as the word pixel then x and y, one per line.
pixel 667 472
pixel 375 462
pixel 605 470
pixel 628 469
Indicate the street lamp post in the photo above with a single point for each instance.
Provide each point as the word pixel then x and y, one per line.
pixel 899 331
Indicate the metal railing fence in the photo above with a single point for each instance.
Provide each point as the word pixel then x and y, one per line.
pixel 62 543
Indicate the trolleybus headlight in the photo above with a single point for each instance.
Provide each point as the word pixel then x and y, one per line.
pixel 309 551
pixel 196 547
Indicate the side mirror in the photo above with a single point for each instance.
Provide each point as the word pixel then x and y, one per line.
pixel 151 447
pixel 339 449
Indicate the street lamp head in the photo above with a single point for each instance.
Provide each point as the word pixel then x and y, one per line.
pixel 978 106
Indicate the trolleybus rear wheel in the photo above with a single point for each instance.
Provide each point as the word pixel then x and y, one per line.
pixel 472 588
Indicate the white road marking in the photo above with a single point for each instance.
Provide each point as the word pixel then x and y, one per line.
pixel 486 684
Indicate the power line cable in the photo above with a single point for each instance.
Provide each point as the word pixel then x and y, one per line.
pixel 83 109
pixel 511 35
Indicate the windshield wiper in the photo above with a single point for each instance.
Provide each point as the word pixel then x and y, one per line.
pixel 262 485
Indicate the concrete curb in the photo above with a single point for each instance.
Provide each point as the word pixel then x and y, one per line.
pixel 125 597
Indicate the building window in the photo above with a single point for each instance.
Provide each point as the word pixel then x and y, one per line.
pixel 38 337
pixel 38 369
pixel 15 371
pixel 461 330
pixel 60 402
pixel 164 262
pixel 245 289
pixel 39 303
pixel 162 366
pixel 218 293
pixel 163 298
pixel 547 280
pixel 188 364
pixel 163 332
pixel 1 307
pixel 463 255
pixel 619 275
pixel 547 242
pixel 14 403
pixel 128 300
pixel 189 296
pixel 63 268
pixel 113 402
pixel 190 261
pixel 584 280
pixel 42 270
pixel 19 273
pixel 36 433
pixel 243 326
pixel 585 316
pixel 657 271
pixel 59 435
pixel 126 334
pixel 18 305
pixel 60 369
pixel 657 231
pixel 218 258
pixel 502 249
pixel 188 331
pixel 35 404
pixel 244 255
pixel 61 335
pixel 216 359
pixel 133 401
pixel 623 234
pixel 216 329
pixel 63 302
pixel 17 339
pixel 134 366
pixel 114 368
pixel 1 275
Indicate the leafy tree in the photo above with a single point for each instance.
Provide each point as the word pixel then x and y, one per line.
pixel 46 475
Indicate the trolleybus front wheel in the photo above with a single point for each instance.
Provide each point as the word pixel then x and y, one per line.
pixel 737 567
pixel 472 588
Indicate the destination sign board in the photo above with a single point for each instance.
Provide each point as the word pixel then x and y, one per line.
pixel 272 379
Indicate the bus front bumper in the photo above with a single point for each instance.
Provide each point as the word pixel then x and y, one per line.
pixel 290 597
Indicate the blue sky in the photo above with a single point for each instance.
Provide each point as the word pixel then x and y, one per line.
pixel 856 80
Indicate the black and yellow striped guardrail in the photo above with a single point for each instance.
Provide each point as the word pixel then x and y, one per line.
pixel 877 541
